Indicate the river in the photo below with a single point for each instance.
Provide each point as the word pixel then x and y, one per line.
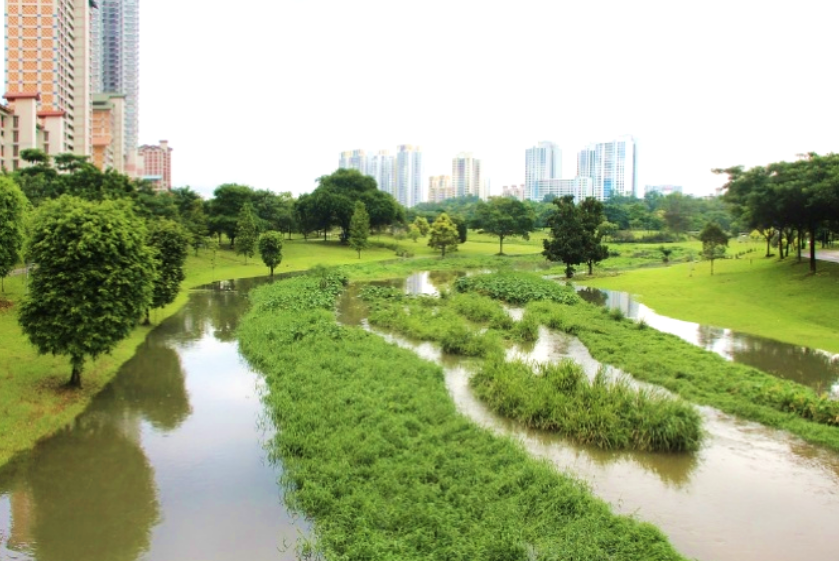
pixel 166 463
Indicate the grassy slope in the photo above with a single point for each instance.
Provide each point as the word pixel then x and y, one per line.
pixel 33 400
pixel 775 299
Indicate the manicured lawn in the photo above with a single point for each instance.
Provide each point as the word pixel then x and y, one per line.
pixel 33 400
pixel 776 299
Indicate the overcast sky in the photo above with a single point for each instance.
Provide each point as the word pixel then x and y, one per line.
pixel 268 92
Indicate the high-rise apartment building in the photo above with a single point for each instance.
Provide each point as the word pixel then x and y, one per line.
pixel 515 191
pixel 440 188
pixel 156 162
pixel 117 49
pixel 543 161
pixel 466 175
pixel 408 188
pixel 48 50
pixel 353 159
pixel 108 129
pixel 382 168
pixel 612 166
pixel 578 187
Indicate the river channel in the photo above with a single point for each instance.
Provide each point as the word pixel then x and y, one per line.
pixel 166 464
pixel 750 494
pixel 811 367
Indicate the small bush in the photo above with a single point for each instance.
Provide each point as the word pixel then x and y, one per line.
pixel 517 288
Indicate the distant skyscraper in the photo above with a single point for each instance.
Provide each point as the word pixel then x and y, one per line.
pixel 543 161
pixel 353 159
pixel 119 66
pixel 466 175
pixel 516 191
pixel 408 188
pixel 48 46
pixel 156 164
pixel 381 168
pixel 612 166
pixel 440 188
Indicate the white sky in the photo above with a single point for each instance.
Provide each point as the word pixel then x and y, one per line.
pixel 268 92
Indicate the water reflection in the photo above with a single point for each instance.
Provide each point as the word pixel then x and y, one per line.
pixel 166 463
pixel 814 368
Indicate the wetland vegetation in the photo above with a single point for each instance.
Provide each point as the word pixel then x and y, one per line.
pixel 374 451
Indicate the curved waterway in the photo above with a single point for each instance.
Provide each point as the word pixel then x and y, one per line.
pixel 167 462
pixel 810 367
pixel 750 494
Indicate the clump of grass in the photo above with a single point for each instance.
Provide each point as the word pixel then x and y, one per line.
pixel 526 330
pixel 375 453
pixel 616 314
pixel 481 309
pixel 608 414
pixel 517 288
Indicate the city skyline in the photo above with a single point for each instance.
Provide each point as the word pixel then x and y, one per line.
pixel 692 106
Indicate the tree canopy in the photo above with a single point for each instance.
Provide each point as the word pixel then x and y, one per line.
pixel 93 281
pixel 504 217
pixel 271 249
pixel 444 235
pixel 359 228
pixel 13 205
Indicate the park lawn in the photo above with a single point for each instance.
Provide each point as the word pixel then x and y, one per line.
pixel 34 402
pixel 776 299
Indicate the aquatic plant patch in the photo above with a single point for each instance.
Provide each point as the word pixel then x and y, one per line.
pixel 517 288
pixel 697 375
pixel 376 454
pixel 608 414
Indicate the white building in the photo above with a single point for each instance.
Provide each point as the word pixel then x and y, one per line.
pixel 409 188
pixel 466 175
pixel 578 187
pixel 381 167
pixel 440 188
pixel 353 159
pixel 663 189
pixel 612 166
pixel 118 67
pixel 543 161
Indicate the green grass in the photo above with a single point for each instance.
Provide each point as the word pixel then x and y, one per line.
pixel 607 414
pixel 696 375
pixel 33 400
pixel 776 299
pixel 375 453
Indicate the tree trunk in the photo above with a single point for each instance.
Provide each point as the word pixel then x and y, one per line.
pixel 768 246
pixel 798 239
pixel 76 376
pixel 813 249
pixel 147 321
pixel 590 267
pixel 712 267
pixel 324 235
pixel 501 245
pixel 272 271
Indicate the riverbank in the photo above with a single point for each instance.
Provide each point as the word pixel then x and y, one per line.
pixel 776 299
pixel 376 454
pixel 34 402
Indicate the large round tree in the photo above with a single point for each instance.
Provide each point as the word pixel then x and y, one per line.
pixel 93 279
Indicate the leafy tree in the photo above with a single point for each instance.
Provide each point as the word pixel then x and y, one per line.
pixel 666 252
pixel 504 217
pixel 247 231
pixel 591 219
pixel 413 232
pixel 169 242
pixel 714 242
pixel 271 249
pixel 677 213
pixel 422 225
pixel 305 215
pixel 12 207
pixel 359 228
pixel 462 227
pixel 93 281
pixel 224 209
pixel 566 242
pixel 443 234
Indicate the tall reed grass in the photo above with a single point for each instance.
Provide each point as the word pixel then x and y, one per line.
pixel 608 414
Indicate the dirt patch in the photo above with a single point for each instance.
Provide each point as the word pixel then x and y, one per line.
pixel 5 304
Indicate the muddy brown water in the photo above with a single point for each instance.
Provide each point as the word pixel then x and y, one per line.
pixel 166 463
pixel 811 367
pixel 750 494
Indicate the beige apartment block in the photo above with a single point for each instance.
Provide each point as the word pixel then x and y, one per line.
pixel 20 129
pixel 48 46
pixel 156 162
pixel 108 132
pixel 440 188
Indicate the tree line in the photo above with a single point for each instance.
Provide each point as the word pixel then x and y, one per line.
pixel 787 203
